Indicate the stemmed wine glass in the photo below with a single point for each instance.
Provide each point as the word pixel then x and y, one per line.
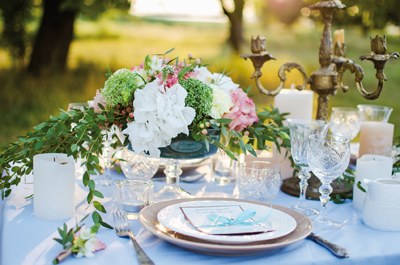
pixel 328 156
pixel 346 122
pixel 300 130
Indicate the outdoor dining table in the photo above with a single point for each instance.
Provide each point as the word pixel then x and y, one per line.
pixel 26 239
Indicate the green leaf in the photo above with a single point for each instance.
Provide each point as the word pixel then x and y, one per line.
pixel 38 145
pixel 236 134
pixel 50 132
pixel 96 217
pixel 91 172
pixel 40 126
pixel 224 132
pixel 99 206
pixel 64 117
pixel 242 146
pixel 89 198
pixel 169 51
pixel 97 194
pixel 224 121
pixel 95 228
pixel 106 225
pixel 85 178
pixel 91 184
pixel 61 232
pixel 101 117
pixel 74 147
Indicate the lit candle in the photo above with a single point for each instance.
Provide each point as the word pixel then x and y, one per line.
pixel 376 138
pixel 298 103
pixel 53 186
pixel 370 167
pixel 342 36
pixel 339 37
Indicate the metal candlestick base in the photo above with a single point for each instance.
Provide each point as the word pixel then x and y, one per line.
pixel 291 186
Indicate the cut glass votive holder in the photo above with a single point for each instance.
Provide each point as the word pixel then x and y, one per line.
pixel 133 195
pixel 258 180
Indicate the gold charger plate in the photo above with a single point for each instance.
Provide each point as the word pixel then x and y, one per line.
pixel 148 219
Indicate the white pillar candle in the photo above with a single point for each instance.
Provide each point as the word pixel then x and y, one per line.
pixel 53 186
pixel 376 138
pixel 298 103
pixel 300 106
pixel 370 167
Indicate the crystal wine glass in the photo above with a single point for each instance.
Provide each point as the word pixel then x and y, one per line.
pixel 346 122
pixel 300 130
pixel 328 156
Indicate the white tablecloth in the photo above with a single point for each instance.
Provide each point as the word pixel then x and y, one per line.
pixel 27 240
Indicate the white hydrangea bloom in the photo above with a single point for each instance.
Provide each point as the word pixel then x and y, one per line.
pixel 221 103
pixel 160 115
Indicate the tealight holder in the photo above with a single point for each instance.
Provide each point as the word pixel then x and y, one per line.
pixel 133 195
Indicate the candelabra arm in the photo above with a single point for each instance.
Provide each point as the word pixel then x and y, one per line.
pixel 282 75
pixel 353 68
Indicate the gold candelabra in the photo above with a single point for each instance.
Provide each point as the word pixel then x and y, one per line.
pixel 328 79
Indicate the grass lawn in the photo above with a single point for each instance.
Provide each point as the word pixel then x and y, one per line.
pixel 27 101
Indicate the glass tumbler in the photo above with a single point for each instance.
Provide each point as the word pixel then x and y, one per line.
pixel 224 168
pixel 133 195
pixel 258 180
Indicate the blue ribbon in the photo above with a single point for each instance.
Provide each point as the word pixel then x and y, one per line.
pixel 242 219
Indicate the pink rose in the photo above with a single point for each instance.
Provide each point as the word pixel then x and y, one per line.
pixel 243 112
pixel 99 98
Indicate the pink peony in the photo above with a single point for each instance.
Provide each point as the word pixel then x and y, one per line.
pixel 99 98
pixel 243 112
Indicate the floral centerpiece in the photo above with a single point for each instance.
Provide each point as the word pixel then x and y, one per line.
pixel 152 104
pixel 162 98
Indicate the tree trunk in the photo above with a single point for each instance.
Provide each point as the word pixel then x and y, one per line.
pixel 236 24
pixel 53 38
pixel 236 30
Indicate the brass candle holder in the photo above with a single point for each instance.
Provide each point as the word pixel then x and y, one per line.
pixel 328 79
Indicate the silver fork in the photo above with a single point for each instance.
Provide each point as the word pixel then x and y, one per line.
pixel 123 230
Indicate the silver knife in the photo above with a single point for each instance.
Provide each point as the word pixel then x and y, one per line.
pixel 338 251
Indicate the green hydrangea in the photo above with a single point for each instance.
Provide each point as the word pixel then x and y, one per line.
pixel 120 87
pixel 199 97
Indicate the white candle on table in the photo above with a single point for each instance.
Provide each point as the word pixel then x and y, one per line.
pixel 298 103
pixel 300 106
pixel 53 186
pixel 370 167
pixel 376 138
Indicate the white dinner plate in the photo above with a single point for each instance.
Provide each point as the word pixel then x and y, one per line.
pixel 282 223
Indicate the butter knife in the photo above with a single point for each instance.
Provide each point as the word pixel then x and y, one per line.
pixel 338 251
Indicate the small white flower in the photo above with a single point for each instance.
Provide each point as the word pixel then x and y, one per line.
pixel 155 65
pixel 86 233
pixel 221 103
